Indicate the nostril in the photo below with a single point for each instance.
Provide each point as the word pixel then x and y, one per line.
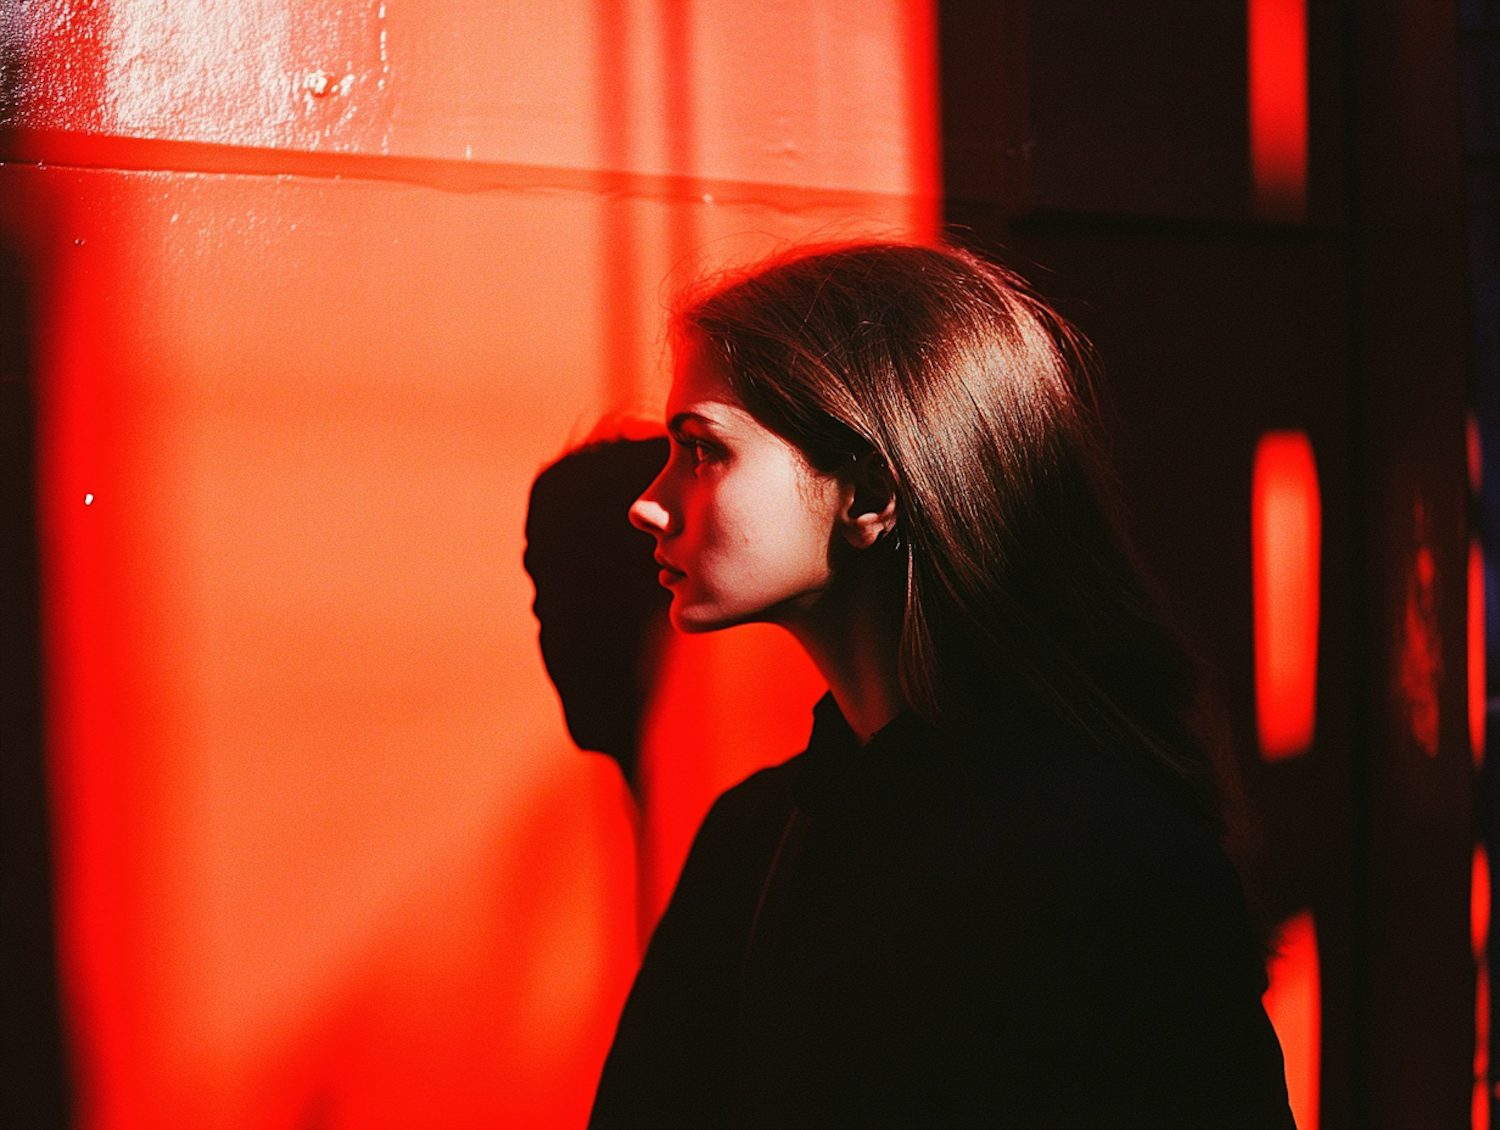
pixel 648 515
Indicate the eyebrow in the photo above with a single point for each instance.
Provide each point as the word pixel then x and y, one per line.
pixel 676 422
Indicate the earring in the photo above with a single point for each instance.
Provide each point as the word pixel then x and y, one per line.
pixel 891 540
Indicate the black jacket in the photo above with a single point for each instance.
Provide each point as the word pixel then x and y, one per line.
pixel 931 932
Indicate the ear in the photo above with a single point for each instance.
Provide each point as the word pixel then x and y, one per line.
pixel 869 502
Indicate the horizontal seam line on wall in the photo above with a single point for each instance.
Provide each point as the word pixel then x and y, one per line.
pixel 112 152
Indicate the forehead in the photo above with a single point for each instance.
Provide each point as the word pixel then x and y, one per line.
pixel 699 384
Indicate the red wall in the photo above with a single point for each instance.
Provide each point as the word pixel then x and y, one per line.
pixel 319 288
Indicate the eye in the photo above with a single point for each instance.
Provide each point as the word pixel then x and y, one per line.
pixel 696 450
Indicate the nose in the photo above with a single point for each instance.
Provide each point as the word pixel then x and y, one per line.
pixel 649 515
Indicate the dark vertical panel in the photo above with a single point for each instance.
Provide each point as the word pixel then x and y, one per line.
pixel 1212 330
pixel 34 1090
pixel 1155 123
pixel 1409 418
pixel 986 127
pixel 1479 72
pixel 1208 341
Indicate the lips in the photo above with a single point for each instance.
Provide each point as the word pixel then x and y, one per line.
pixel 669 574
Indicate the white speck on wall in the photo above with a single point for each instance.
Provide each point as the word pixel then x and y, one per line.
pixel 88 500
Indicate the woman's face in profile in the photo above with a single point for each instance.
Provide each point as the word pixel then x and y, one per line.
pixel 743 524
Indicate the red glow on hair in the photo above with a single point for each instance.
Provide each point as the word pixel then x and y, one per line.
pixel 1286 516
pixel 1278 107
pixel 1294 1003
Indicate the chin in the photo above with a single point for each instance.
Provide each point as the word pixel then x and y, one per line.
pixel 694 623
pixel 695 620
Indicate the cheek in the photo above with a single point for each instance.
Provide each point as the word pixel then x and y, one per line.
pixel 770 528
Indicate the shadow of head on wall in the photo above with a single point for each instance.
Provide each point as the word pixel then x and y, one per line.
pixel 598 603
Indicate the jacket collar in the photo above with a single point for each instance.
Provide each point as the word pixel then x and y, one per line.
pixel 834 752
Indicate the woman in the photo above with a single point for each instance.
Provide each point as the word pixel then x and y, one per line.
pixel 990 892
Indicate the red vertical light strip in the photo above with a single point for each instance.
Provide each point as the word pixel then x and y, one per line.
pixel 1479 896
pixel 1477 688
pixel 1287 516
pixel 926 170
pixel 1479 925
pixel 1278 107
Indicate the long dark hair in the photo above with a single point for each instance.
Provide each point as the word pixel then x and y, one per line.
pixel 1023 602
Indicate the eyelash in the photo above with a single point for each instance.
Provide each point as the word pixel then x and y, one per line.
pixel 697 449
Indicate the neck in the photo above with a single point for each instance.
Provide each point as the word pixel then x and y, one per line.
pixel 853 635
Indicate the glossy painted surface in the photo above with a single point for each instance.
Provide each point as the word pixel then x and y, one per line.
pixel 1287 517
pixel 326 854
pixel 834 94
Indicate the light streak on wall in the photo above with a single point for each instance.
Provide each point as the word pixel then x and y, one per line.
pixel 1286 544
pixel 1277 38
pixel 1479 926
pixel 1478 693
pixel 1480 890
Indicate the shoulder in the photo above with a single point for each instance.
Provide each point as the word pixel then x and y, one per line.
pixel 671 1061
pixel 762 795
pixel 746 815
pixel 734 845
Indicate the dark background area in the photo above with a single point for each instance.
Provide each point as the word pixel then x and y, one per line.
pixel 1479 86
pixel 1120 185
pixel 34 1088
